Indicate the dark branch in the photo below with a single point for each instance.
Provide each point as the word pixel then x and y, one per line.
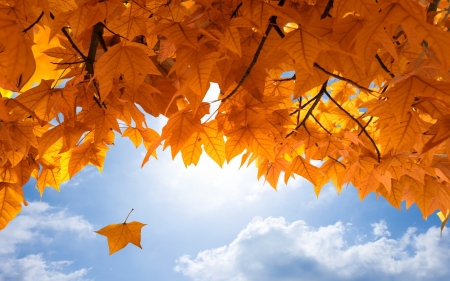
pixel 357 122
pixel 97 32
pixel 74 46
pixel 34 23
pixel 337 161
pixel 96 37
pixel 326 12
pixel 279 31
pixel 114 32
pixel 303 106
pixel 365 126
pixel 342 78
pixel 383 66
pixel 273 19
pixel 320 124
pixel 313 106
pixel 234 14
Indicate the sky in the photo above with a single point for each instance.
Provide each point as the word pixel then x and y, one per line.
pixel 208 223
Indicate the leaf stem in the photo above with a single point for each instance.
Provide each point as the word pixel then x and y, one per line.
pixel 128 216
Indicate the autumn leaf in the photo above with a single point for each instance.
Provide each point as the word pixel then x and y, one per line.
pixel 120 234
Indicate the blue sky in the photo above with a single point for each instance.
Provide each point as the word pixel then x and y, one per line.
pixel 208 223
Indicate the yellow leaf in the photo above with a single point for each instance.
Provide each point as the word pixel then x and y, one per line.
pixel 120 234
pixel 16 59
pixel 129 60
pixel 11 197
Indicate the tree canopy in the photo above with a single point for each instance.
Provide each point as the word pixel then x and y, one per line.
pixel 361 85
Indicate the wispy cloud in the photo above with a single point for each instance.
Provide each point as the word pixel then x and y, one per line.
pixel 380 229
pixel 273 249
pixel 29 228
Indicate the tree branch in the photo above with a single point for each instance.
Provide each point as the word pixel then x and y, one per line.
pixel 303 106
pixel 34 23
pixel 114 32
pixel 365 126
pixel 255 57
pixel 74 46
pixel 310 110
pixel 326 12
pixel 234 14
pixel 357 122
pixel 433 6
pixel 278 30
pixel 97 32
pixel 342 78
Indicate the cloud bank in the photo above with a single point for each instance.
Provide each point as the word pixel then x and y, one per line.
pixel 273 249
pixel 29 227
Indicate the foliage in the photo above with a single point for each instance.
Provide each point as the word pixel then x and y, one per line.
pixel 369 97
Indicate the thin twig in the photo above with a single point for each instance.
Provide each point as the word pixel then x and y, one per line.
pixel 365 126
pixel 234 14
pixel 279 31
pixel 326 12
pixel 34 23
pixel 337 161
pixel 303 106
pixel 320 124
pixel 74 46
pixel 357 122
pixel 117 34
pixel 252 64
pixel 313 106
pixel 342 78
pixel 255 57
pixel 383 66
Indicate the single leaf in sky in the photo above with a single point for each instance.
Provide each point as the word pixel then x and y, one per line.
pixel 120 234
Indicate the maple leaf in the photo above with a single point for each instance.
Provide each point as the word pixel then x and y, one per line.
pixel 120 234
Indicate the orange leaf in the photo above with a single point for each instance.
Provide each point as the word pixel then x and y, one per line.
pixel 120 234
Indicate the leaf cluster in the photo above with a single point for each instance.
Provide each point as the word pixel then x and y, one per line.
pixel 368 94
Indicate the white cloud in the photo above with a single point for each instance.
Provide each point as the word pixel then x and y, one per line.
pixel 34 267
pixel 28 228
pixel 380 229
pixel 273 249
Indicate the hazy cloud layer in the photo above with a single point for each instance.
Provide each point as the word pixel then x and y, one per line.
pixel 273 249
pixel 27 228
